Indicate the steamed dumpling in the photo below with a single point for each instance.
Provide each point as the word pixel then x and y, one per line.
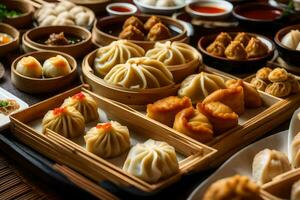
pixel 56 66
pixel 151 161
pixel 269 163
pixel 296 151
pixel 85 104
pixel 29 66
pixel 66 121
pixel 292 39
pixel 140 73
pixel 199 86
pixel 82 19
pixel 49 20
pixel 149 2
pixel 118 52
pixel 108 140
pixel 279 89
pixel 165 3
pixel 172 53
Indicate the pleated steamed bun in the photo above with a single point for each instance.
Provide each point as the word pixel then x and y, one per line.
pixel 108 140
pixel 56 66
pixel 29 66
pixel 85 104
pixel 151 161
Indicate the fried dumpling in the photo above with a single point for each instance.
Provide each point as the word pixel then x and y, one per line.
pixel 194 124
pixel 151 161
pixel 243 38
pixel 295 193
pixel 263 73
pixel 235 51
pixel 165 110
pixel 56 66
pixel 151 22
pixel 172 53
pixel 30 66
pixel 85 104
pixel 140 73
pixel 295 151
pixel 278 75
pixel 232 97
pixel 224 38
pixel 279 89
pixel 199 86
pixel 292 39
pixel 256 48
pixel 258 84
pixel 108 140
pixel 159 32
pixel 66 121
pixel 222 117
pixel 251 96
pixel 118 52
pixel 134 21
pixel 268 164
pixel 216 49
pixel 233 188
pixel 131 33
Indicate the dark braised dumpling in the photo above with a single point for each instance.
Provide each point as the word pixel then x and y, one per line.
pixel 159 32
pixel 134 21
pixel 131 33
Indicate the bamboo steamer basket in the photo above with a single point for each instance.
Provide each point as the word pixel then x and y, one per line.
pixel 14 44
pixel 43 85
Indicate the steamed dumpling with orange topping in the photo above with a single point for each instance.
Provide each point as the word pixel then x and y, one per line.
pixel 29 66
pixel 56 66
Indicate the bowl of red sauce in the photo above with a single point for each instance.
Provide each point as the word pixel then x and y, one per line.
pixel 121 9
pixel 213 9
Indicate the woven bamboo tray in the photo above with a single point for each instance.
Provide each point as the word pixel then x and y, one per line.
pixel 191 154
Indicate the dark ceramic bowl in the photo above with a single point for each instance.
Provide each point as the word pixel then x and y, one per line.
pixel 235 66
pixel 291 56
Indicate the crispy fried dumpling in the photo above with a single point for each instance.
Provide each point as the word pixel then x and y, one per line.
pixel 216 49
pixel 164 110
pixel 85 104
pixel 140 73
pixel 235 51
pixel 243 38
pixel 295 193
pixel 232 97
pixel 251 96
pixel 256 48
pixel 194 124
pixel 292 39
pixel 278 75
pixel 233 188
pixel 151 22
pixel 131 33
pixel 279 89
pixel 222 117
pixel 199 86
pixel 108 139
pixel 133 21
pixel 151 161
pixel 268 164
pixel 118 52
pixel 159 32
pixel 295 151
pixel 224 38
pixel 258 84
pixel 263 73
pixel 172 53
pixel 30 66
pixel 66 121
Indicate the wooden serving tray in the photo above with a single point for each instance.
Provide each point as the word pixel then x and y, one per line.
pixel 192 155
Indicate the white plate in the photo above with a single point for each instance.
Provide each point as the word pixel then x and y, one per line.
pixel 293 130
pixel 241 162
pixel 4 120
pixel 157 10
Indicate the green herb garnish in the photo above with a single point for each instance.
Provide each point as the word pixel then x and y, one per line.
pixel 5 13
pixel 3 103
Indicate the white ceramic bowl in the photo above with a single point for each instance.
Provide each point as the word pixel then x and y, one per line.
pixel 158 10
pixel 131 7
pixel 227 6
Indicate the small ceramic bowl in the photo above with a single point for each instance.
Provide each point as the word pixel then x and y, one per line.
pixel 291 56
pixel 212 9
pixel 235 66
pixel 156 9
pixel 121 9
pixel 31 37
pixel 12 45
pixel 25 19
pixel 43 85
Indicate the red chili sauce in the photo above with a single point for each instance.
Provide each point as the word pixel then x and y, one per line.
pixel 120 9
pixel 266 14
pixel 207 9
